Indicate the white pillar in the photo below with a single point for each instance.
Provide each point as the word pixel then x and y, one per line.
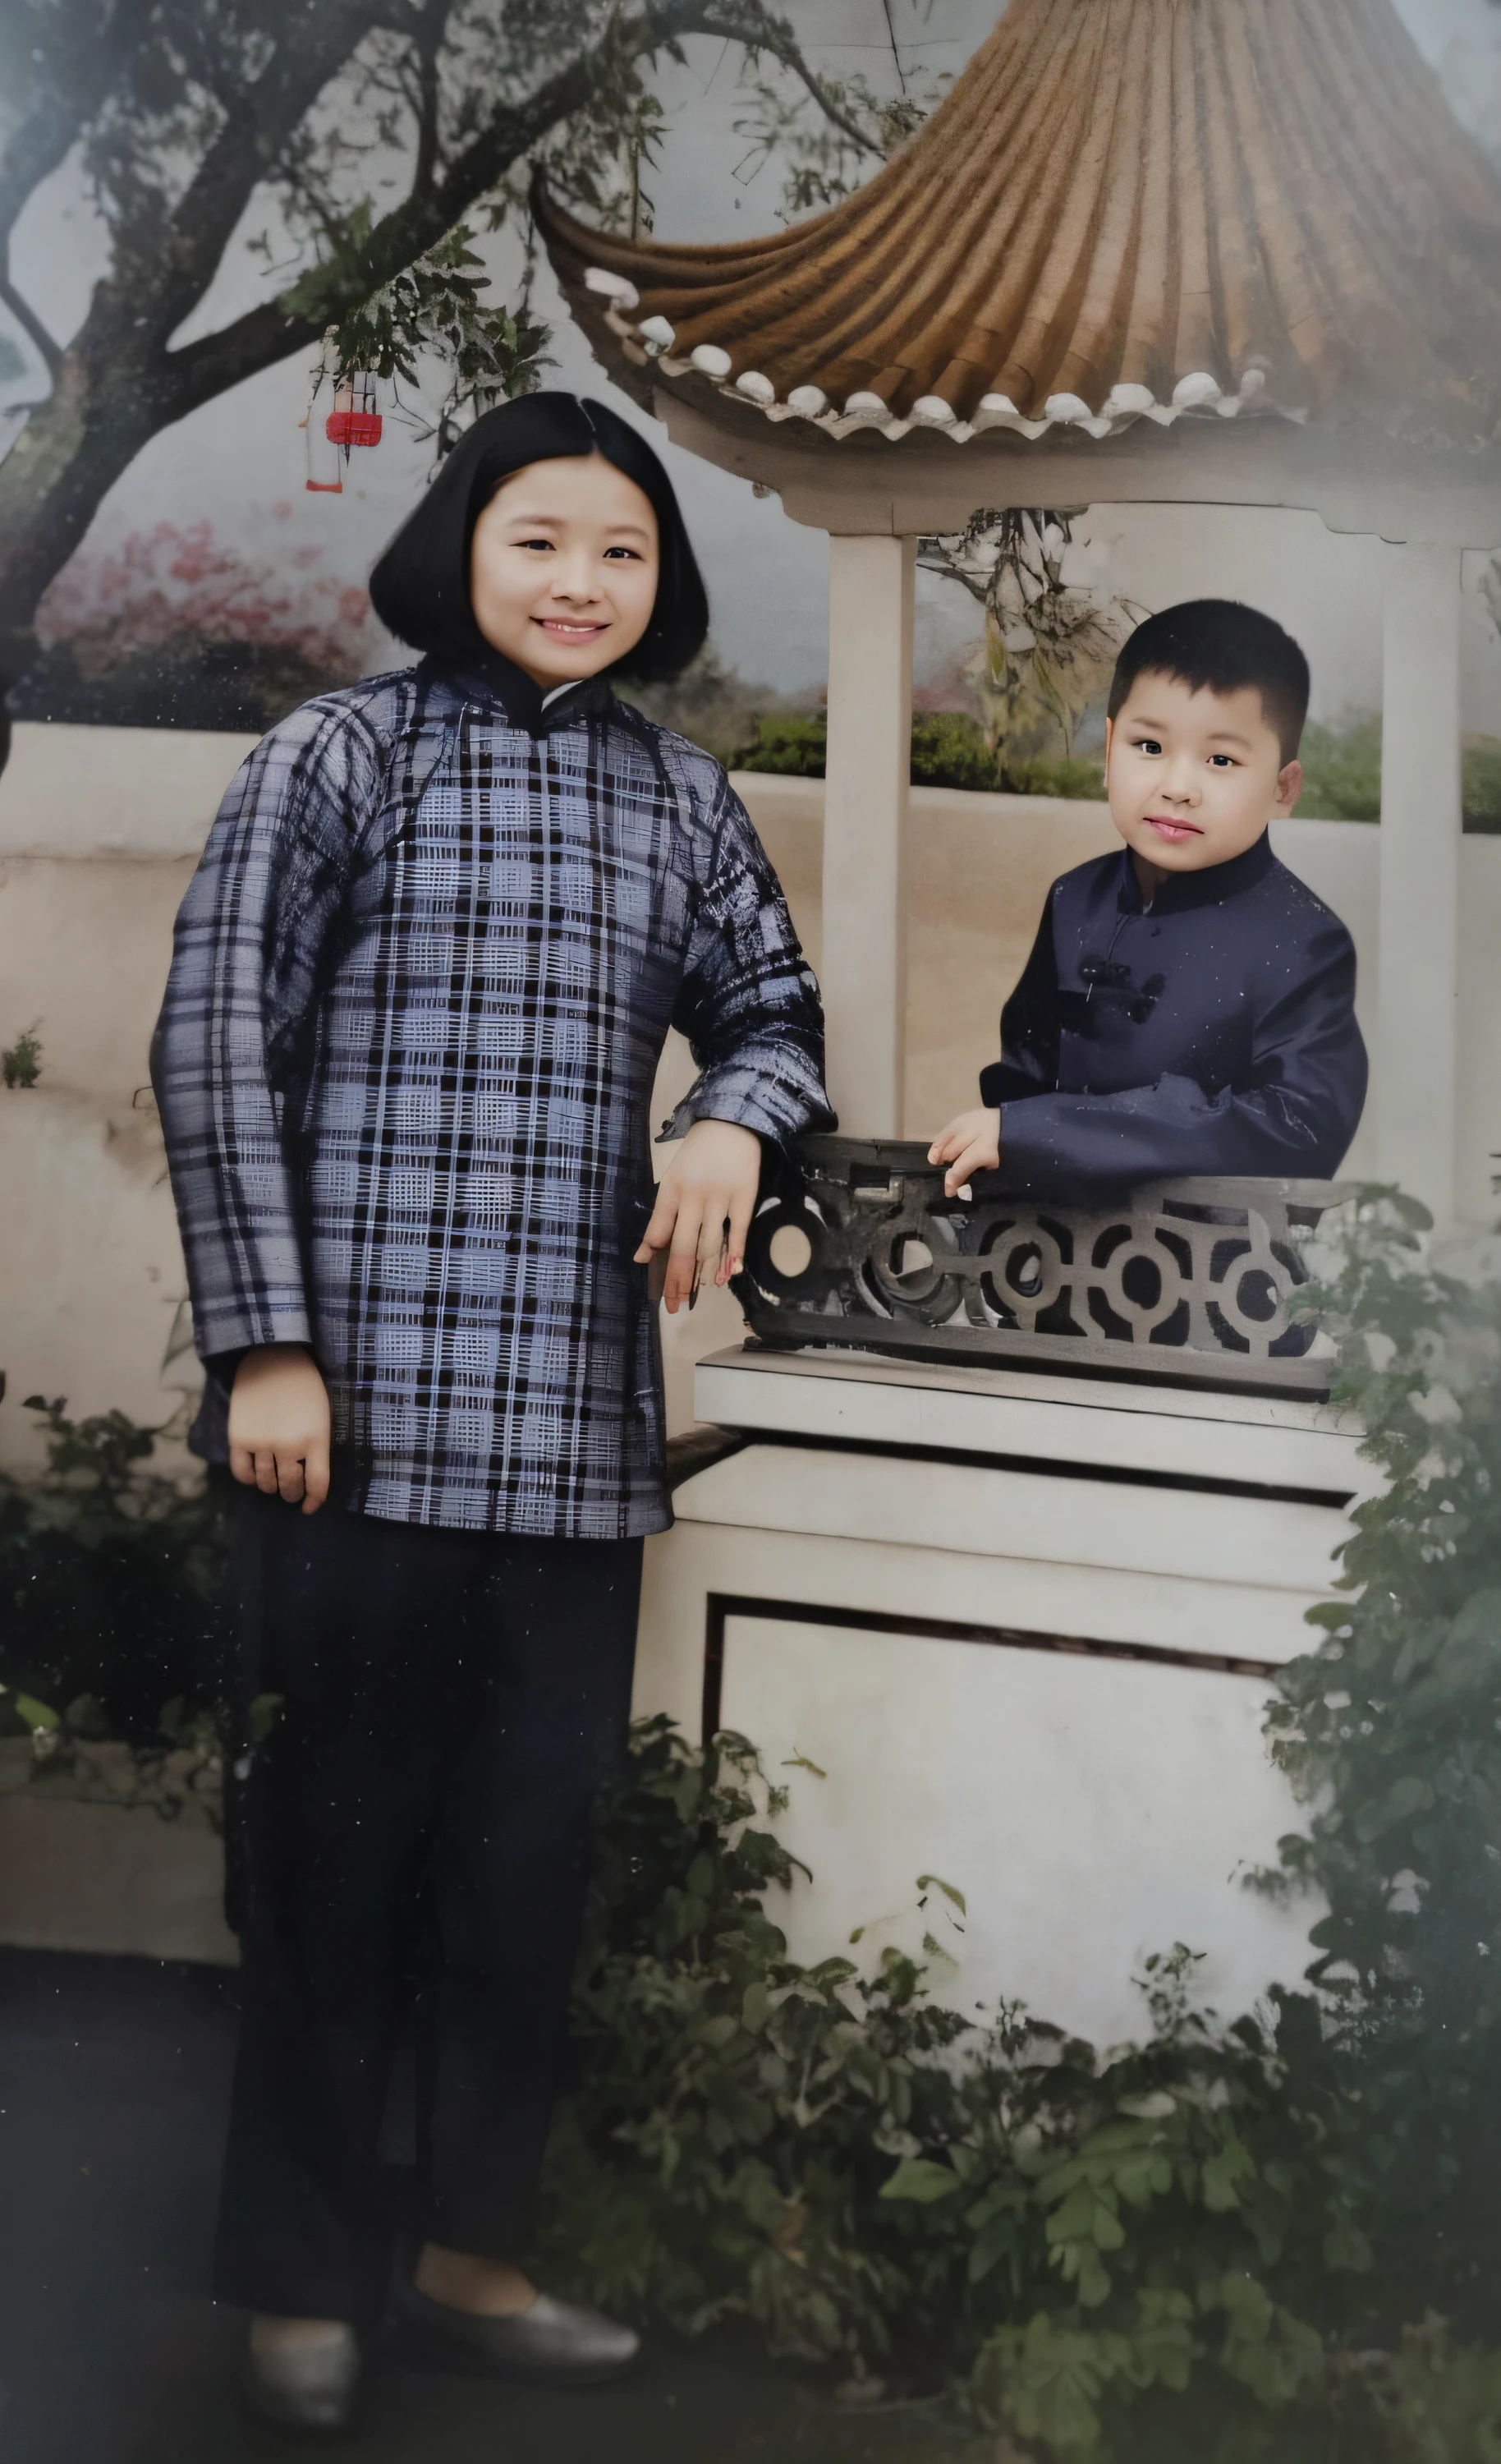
pixel 864 973
pixel 1421 823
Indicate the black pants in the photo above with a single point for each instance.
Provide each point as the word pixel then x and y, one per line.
pixel 409 1851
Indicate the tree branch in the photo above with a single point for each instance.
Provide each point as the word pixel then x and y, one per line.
pixel 36 148
pixel 777 36
pixel 427 44
pixel 245 150
pixel 31 324
pixel 271 331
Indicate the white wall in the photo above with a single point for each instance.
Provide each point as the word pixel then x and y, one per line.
pixel 99 832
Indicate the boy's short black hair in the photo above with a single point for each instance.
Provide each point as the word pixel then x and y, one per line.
pixel 1220 645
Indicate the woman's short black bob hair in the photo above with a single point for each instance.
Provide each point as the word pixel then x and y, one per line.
pixel 420 589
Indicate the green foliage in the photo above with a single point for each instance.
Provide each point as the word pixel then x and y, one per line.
pixel 431 306
pixel 464 83
pixel 109 1579
pixel 949 750
pixel 1230 2242
pixel 1343 775
pixel 794 748
pixel 878 2183
pixel 1048 649
pixel 1272 2242
pixel 21 1061
pixel 177 1775
pixel 1343 766
pixel 1427 2403
pixel 1341 771
pixel 1042 775
pixel 1392 1730
pixel 1481 771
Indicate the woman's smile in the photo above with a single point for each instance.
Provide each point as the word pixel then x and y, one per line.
pixel 577 534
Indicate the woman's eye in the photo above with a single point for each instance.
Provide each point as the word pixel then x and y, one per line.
pixel 536 542
pixel 631 552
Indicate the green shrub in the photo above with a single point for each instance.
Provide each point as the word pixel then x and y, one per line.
pixel 881 2184
pixel 1341 765
pixel 1227 2242
pixel 1343 775
pixel 21 1061
pixel 949 750
pixel 1045 775
pixel 1278 2239
pixel 792 747
pixel 110 1577
pixel 1393 1728
pixel 1481 771
pixel 1342 772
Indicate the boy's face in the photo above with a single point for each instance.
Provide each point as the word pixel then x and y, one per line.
pixel 1194 778
pixel 563 569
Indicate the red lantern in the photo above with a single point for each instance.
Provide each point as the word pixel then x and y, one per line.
pixel 354 419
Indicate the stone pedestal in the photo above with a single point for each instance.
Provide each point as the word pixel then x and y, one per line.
pixel 1025 1626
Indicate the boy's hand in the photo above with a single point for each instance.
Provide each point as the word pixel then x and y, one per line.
pixel 971 1143
pixel 712 1179
pixel 279 1424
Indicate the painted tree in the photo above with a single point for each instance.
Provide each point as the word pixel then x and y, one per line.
pixel 1048 649
pixel 358 145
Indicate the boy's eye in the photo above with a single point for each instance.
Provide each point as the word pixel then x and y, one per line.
pixel 1147 744
pixel 1223 761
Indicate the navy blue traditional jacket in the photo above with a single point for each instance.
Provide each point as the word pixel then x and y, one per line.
pixel 1211 1032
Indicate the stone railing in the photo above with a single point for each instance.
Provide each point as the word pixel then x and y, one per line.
pixel 1181 1281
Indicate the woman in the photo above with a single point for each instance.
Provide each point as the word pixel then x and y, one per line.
pixel 422 979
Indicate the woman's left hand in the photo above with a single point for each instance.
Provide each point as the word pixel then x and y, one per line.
pixel 705 1202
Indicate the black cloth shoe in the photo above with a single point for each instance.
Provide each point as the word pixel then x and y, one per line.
pixel 553 2343
pixel 308 2387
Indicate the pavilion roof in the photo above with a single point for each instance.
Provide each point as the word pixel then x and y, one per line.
pixel 1122 210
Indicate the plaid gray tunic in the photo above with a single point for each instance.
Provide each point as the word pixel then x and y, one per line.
pixel 421 983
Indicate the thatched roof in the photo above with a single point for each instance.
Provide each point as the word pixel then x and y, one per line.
pixel 1122 210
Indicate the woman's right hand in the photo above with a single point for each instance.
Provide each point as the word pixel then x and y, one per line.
pixel 280 1424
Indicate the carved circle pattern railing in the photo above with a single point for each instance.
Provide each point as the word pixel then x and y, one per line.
pixel 1183 1280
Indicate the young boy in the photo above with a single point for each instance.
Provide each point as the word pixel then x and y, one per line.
pixel 1189 1006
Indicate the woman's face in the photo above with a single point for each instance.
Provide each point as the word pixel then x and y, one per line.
pixel 563 569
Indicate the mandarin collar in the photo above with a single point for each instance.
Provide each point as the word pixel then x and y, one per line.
pixel 1183 891
pixel 495 681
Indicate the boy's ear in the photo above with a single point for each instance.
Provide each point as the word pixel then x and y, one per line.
pixel 1290 787
pixel 1110 729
